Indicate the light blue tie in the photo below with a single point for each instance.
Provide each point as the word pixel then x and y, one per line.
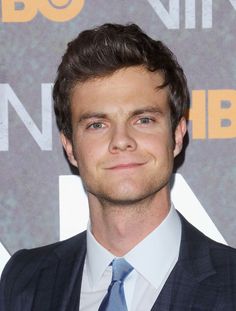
pixel 115 297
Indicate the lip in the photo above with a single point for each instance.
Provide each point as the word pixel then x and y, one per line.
pixel 123 166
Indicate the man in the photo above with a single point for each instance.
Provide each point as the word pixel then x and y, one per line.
pixel 120 100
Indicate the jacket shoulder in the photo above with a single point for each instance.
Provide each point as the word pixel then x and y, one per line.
pixel 223 257
pixel 44 254
pixel 198 247
pixel 24 264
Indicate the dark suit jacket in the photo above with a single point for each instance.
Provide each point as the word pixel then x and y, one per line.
pixel 49 278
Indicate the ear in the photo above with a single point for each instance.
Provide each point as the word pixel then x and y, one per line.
pixel 67 144
pixel 180 131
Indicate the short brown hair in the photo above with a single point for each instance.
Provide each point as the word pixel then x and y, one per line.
pixel 101 51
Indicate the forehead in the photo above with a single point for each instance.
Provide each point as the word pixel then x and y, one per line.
pixel 125 90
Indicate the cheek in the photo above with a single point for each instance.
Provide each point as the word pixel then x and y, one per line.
pixel 158 145
pixel 89 153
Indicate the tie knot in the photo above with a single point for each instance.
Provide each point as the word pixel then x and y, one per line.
pixel 120 269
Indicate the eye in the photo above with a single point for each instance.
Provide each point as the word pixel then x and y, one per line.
pixel 145 120
pixel 96 126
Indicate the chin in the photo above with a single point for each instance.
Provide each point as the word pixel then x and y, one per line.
pixel 121 202
pixel 127 192
pixel 125 198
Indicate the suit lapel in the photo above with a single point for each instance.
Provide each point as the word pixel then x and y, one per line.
pixel 66 292
pixel 186 287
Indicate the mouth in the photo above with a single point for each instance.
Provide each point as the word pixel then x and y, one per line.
pixel 124 166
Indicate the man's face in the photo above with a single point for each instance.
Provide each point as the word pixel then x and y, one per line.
pixel 122 138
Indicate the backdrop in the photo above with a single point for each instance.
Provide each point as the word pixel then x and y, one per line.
pixel 34 210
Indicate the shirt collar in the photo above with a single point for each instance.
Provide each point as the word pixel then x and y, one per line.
pixel 155 255
pixel 98 258
pixel 153 263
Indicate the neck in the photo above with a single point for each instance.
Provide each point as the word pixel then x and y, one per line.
pixel 119 228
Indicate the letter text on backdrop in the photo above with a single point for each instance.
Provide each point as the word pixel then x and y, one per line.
pixel 54 10
pixel 8 97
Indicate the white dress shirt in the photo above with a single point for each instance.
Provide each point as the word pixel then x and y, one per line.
pixel 152 259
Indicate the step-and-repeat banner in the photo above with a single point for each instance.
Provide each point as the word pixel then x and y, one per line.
pixel 40 200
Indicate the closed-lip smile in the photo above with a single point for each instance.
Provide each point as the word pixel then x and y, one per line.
pixel 125 166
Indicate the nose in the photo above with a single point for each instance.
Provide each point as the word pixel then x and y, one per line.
pixel 122 140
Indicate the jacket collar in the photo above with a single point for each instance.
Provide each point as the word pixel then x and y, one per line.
pixel 194 254
pixel 188 285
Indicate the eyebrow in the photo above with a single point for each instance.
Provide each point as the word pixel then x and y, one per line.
pixel 102 115
pixel 90 115
pixel 150 109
